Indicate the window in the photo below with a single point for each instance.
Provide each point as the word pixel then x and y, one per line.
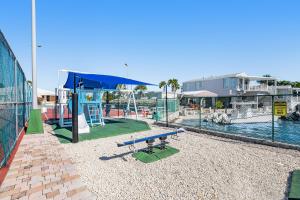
pixel 48 98
pixel 184 87
pixel 198 85
pixel 229 83
pixel 192 86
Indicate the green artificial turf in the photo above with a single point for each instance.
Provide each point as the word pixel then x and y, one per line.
pixel 157 154
pixel 295 186
pixel 112 128
pixel 35 123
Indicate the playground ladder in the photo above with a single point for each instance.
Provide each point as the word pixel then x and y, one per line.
pixel 95 114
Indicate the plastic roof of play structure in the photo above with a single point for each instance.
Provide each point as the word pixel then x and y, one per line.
pixel 90 81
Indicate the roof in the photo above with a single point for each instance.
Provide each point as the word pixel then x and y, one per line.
pixel 234 75
pixel 44 92
pixel 199 93
pixel 100 81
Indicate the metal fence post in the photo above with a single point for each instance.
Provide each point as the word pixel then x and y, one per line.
pixel 156 110
pixel 119 105
pixel 167 120
pixel 56 103
pixel 16 95
pixel 273 112
pixel 200 110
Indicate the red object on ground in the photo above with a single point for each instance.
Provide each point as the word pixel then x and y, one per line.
pixel 4 169
pixel 50 114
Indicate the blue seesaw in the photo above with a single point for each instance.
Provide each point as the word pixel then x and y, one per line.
pixel 151 139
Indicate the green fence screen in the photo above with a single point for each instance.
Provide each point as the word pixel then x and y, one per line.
pixel 15 100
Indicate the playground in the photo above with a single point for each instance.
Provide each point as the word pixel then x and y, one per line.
pixel 114 153
pixel 135 160
pixel 113 127
pixel 80 114
pixel 205 167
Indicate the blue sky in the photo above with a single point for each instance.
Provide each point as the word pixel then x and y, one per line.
pixel 158 39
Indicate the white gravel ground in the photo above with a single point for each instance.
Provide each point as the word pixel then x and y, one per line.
pixel 205 168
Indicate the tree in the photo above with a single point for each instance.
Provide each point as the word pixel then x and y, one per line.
pixel 141 89
pixel 296 84
pixel 162 84
pixel 29 82
pixel 173 83
pixel 284 82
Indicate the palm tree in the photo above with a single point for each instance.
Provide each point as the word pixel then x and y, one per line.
pixel 162 84
pixel 141 89
pixel 29 82
pixel 173 83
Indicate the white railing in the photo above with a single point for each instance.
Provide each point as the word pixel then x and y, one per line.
pixel 257 88
pixel 260 88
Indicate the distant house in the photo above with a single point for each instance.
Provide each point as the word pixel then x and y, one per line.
pixel 237 84
pixel 240 85
pixel 46 96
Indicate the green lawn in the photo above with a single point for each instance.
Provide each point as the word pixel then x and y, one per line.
pixel 112 128
pixel 157 154
pixel 295 186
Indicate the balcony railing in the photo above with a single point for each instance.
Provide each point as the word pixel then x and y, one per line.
pixel 258 88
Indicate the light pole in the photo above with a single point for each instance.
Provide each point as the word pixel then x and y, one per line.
pixel 127 74
pixel 33 48
pixel 35 123
pixel 126 67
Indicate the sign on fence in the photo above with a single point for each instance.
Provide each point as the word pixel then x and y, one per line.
pixel 280 108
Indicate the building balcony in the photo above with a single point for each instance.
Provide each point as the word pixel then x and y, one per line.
pixel 258 88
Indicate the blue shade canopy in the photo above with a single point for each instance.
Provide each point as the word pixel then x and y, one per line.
pixel 100 81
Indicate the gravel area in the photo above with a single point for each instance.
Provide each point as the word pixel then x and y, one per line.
pixel 205 168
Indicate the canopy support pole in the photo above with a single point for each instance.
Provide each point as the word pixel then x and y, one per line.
pixel 128 107
pixel 101 110
pixel 135 108
pixel 75 114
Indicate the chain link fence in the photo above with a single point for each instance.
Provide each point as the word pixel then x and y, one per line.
pixel 15 100
pixel 268 117
pixel 120 108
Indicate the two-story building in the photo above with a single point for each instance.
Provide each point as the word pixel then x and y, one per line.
pixel 233 85
pixel 238 89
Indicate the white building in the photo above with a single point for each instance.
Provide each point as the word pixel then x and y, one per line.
pixel 237 84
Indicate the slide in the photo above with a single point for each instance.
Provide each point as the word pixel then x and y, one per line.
pixel 83 126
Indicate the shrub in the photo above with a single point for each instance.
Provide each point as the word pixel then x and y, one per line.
pixel 219 104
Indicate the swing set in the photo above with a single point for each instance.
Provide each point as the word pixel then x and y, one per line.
pixel 90 89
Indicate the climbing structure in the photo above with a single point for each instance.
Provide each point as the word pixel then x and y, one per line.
pixel 90 89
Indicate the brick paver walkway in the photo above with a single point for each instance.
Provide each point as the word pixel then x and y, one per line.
pixel 42 170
